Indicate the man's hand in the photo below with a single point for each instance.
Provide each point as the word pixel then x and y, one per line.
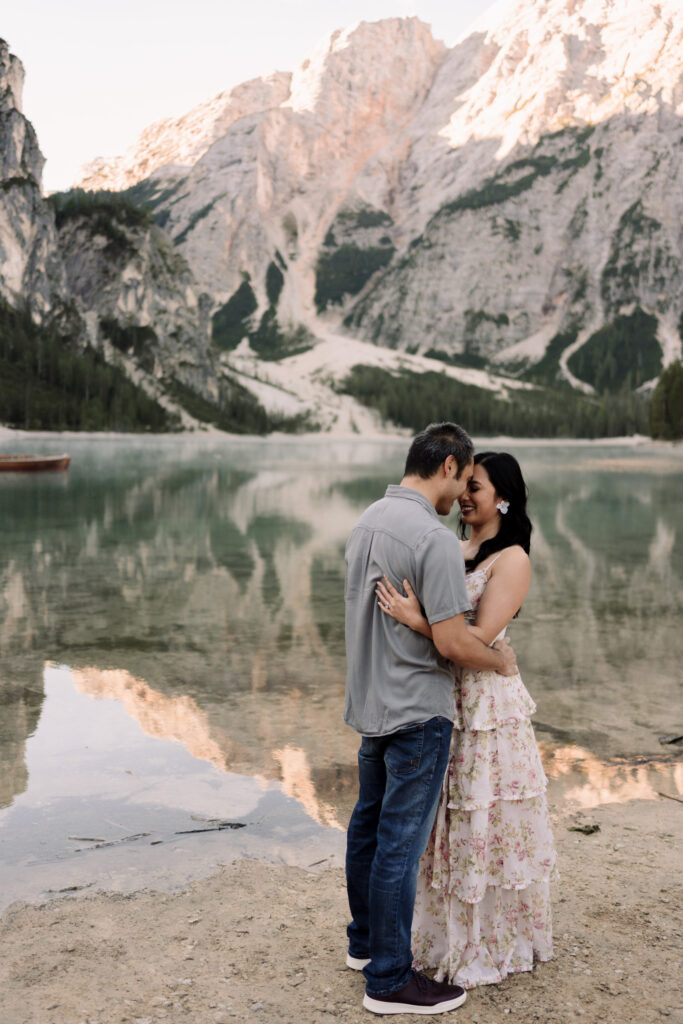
pixel 509 667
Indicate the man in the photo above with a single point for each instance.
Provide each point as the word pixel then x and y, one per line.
pixel 399 697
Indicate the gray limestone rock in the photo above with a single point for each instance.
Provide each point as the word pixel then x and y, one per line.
pixel 525 185
pixel 31 274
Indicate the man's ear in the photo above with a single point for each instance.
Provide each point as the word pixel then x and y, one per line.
pixel 449 463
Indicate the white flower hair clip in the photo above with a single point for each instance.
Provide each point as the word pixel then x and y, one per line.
pixel 503 506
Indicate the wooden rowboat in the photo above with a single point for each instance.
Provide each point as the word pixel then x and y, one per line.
pixel 32 463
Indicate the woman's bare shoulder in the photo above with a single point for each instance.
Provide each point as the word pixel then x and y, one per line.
pixel 514 557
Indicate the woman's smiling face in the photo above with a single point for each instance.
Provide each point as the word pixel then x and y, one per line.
pixel 478 503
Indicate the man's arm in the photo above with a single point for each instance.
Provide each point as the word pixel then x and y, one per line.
pixel 453 640
pixel 469 642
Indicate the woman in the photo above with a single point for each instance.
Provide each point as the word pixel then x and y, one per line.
pixel 483 904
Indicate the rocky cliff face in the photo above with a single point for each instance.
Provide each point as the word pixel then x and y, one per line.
pixel 542 188
pixel 31 273
pixel 176 144
pixel 500 202
pixel 108 276
pixel 138 297
pixel 267 188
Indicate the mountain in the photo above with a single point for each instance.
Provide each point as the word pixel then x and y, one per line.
pixel 136 291
pixel 512 202
pixel 102 324
pixel 31 272
pixel 496 220
pixel 548 156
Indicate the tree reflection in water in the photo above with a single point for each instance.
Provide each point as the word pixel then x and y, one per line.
pixel 202 585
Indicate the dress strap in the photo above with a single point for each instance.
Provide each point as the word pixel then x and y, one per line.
pixel 485 568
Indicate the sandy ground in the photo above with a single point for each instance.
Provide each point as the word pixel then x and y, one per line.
pixel 264 943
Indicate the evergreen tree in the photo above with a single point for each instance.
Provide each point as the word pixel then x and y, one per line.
pixel 666 411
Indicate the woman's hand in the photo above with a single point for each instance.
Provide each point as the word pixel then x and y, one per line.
pixel 404 609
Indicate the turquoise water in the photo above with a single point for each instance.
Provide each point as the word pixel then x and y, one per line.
pixel 171 645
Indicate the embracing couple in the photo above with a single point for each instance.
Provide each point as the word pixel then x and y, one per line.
pixel 449 850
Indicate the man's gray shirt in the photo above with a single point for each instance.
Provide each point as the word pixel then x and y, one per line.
pixel 395 676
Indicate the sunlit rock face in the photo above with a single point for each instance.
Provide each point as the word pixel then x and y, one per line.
pixel 522 185
pixel 272 182
pixel 31 274
pixel 542 187
pixel 175 144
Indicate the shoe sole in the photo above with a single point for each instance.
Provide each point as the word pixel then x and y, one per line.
pixel 379 1006
pixel 355 963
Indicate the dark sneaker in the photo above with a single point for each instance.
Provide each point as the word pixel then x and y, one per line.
pixel 355 963
pixel 419 995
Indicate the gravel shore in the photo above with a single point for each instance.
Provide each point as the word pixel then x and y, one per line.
pixel 266 943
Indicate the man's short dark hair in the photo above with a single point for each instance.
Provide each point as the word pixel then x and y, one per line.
pixel 433 446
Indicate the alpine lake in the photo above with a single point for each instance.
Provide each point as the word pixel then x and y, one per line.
pixel 172 646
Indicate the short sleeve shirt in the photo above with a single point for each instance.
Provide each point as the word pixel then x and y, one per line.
pixel 395 676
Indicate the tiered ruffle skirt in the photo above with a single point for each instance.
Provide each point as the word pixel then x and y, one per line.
pixel 483 902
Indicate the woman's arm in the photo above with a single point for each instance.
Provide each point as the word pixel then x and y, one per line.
pixel 505 591
pixel 404 609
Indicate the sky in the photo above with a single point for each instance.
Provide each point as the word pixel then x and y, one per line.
pixel 98 72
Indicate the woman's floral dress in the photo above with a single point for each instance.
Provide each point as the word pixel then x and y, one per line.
pixel 483 902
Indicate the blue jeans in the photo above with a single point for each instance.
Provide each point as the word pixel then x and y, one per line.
pixel 400 779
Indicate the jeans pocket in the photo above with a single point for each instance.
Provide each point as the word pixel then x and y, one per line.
pixel 403 755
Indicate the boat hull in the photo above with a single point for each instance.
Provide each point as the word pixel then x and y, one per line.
pixel 33 463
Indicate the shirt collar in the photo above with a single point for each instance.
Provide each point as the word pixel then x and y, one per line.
pixel 409 494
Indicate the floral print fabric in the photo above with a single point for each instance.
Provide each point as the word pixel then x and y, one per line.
pixel 483 902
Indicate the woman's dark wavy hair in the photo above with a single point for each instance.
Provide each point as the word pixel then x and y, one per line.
pixel 515 527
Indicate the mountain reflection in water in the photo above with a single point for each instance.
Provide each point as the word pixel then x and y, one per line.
pixel 200 585
pixel 181 720
pixel 581 777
